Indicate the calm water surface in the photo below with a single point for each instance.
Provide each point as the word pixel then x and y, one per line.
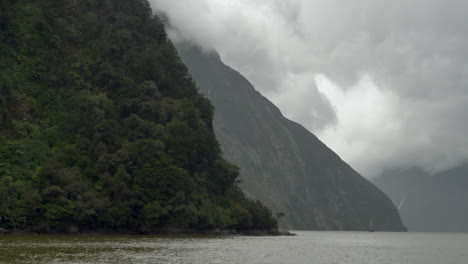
pixel 307 247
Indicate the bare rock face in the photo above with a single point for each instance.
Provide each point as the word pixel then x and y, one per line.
pixel 282 163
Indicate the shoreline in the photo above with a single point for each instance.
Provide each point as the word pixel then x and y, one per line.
pixel 161 232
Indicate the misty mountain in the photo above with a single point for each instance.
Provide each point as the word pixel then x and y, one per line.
pixel 436 203
pixel 282 163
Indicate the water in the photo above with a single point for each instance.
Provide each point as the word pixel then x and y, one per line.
pixel 307 247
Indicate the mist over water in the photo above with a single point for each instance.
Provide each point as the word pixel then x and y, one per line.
pixel 306 248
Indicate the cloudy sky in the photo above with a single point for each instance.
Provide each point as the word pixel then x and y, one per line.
pixel 384 83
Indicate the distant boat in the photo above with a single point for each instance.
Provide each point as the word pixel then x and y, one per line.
pixel 371 226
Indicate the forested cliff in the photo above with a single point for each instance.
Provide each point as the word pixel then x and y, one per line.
pixel 102 127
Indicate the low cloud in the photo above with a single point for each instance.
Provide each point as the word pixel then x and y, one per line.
pixel 384 83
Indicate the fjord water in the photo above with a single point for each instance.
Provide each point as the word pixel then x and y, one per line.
pixel 307 247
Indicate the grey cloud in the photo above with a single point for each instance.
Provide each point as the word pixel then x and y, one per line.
pixel 415 50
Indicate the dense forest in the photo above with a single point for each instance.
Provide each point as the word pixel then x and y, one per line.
pixel 102 127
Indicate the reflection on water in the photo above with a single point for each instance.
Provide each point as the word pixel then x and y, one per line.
pixel 307 247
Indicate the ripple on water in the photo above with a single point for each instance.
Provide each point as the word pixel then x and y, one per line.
pixel 307 247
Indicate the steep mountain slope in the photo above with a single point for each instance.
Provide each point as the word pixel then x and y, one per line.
pixel 102 128
pixel 427 203
pixel 282 163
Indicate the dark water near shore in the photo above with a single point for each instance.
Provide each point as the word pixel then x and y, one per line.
pixel 307 247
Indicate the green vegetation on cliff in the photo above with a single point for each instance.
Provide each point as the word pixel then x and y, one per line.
pixel 102 127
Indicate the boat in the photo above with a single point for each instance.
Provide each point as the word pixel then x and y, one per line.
pixel 371 226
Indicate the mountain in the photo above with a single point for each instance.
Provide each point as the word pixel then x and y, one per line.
pixel 429 203
pixel 283 164
pixel 103 129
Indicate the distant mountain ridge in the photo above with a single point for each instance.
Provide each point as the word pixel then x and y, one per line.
pixel 283 164
pixel 428 203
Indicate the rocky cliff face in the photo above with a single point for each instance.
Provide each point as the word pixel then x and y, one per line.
pixel 283 164
pixel 429 203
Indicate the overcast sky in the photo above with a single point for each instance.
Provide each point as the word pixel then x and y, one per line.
pixel 384 83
